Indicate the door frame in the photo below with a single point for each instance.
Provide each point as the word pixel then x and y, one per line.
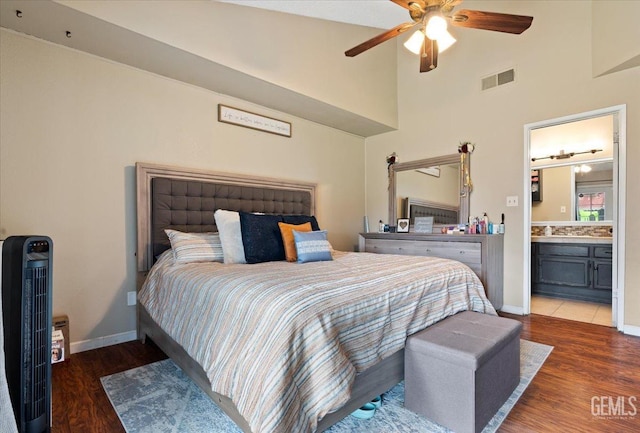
pixel 619 113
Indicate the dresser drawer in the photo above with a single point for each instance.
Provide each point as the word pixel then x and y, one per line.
pixel 469 253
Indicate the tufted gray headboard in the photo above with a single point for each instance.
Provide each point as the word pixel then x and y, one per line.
pixel 440 216
pixel 185 199
pixel 441 213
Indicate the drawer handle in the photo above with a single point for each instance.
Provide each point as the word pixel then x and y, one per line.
pixel 461 252
pixel 428 250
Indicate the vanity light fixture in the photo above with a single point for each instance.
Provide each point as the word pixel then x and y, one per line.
pixel 582 168
pixel 563 155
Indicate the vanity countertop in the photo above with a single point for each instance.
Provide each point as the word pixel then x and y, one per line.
pixel 568 239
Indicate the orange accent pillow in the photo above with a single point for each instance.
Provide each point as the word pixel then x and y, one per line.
pixel 286 230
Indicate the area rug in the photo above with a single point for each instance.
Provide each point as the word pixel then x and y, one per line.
pixel 159 397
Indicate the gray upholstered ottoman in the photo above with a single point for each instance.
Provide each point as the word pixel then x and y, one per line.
pixel 461 370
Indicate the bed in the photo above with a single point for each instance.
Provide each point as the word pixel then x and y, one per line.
pixel 311 396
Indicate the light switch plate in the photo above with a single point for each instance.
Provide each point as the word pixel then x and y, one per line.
pixel 512 200
pixel 131 298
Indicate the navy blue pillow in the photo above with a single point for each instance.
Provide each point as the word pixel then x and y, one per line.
pixel 301 219
pixel 261 237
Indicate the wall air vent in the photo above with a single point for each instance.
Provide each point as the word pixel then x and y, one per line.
pixel 498 79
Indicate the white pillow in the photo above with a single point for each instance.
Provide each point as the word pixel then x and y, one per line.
pixel 195 247
pixel 228 223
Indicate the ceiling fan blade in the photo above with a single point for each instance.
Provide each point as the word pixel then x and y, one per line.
pixel 429 55
pixel 497 22
pixel 379 39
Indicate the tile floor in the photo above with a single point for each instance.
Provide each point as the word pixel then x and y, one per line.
pixel 581 311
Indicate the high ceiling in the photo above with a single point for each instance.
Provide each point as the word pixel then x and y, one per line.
pixel 104 28
pixel 382 14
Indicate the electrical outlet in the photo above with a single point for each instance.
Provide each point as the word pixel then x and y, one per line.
pixel 131 298
pixel 563 209
pixel 512 200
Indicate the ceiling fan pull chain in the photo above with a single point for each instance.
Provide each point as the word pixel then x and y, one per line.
pixel 432 66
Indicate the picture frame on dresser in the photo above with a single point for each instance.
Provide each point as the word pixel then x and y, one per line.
pixel 423 225
pixel 402 225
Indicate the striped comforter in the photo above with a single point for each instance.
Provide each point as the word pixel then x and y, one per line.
pixel 284 341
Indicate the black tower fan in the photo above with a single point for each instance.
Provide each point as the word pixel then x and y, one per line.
pixel 26 308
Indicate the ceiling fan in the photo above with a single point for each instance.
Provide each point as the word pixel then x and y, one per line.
pixel 432 37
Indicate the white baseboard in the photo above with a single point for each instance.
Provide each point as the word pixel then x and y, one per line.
pixel 96 343
pixel 631 330
pixel 109 340
pixel 512 310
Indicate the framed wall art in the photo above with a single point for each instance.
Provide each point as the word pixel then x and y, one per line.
pixel 235 116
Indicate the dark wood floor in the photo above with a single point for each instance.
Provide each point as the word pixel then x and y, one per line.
pixel 79 401
pixel 588 362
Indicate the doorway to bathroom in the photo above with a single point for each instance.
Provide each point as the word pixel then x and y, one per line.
pixel 574 176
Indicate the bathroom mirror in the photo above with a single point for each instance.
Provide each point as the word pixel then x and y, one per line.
pixel 580 193
pixel 429 184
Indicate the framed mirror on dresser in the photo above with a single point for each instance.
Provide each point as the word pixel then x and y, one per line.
pixel 448 203
pixel 437 183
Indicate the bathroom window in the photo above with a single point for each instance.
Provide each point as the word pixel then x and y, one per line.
pixel 591 206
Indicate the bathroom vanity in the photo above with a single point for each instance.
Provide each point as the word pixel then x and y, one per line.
pixel 573 267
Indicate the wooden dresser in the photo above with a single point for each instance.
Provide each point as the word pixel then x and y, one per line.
pixel 484 254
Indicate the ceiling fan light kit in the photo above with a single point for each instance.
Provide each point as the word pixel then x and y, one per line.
pixel 444 38
pixel 436 25
pixel 432 36
pixel 445 41
pixel 414 43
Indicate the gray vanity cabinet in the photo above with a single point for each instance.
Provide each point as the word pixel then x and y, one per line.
pixel 602 275
pixel 564 265
pixel 574 271
pixel 602 268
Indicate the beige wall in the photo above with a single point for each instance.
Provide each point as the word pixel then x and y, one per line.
pixel 556 192
pixel 72 127
pixel 554 78
pixel 615 47
pixel 302 54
